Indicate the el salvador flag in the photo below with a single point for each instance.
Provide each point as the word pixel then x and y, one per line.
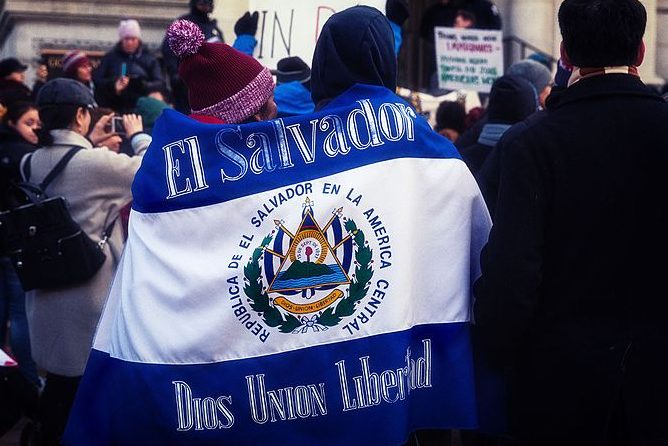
pixel 305 281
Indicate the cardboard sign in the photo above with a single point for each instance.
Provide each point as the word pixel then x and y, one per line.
pixel 291 27
pixel 468 59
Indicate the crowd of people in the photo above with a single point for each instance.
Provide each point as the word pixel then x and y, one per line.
pixel 568 306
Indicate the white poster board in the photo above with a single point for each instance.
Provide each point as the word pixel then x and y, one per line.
pixel 468 59
pixel 291 27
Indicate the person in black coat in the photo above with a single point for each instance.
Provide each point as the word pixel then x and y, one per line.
pixel 511 100
pixel 127 72
pixel 572 295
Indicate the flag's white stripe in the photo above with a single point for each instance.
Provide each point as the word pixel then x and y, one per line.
pixel 172 304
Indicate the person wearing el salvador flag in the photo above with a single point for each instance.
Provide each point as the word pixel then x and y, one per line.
pixel 304 280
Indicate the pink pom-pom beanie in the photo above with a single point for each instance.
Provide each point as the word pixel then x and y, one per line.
pixel 222 82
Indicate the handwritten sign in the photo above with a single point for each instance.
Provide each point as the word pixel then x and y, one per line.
pixel 291 27
pixel 468 59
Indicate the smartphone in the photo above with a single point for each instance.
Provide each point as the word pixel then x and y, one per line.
pixel 117 125
pixel 124 69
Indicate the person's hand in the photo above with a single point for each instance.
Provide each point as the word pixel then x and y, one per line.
pixel 397 11
pixel 42 73
pixel 100 132
pixel 121 84
pixel 112 143
pixel 247 24
pixel 132 124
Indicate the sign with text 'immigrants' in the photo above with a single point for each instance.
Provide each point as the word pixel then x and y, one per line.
pixel 468 59
pixel 291 27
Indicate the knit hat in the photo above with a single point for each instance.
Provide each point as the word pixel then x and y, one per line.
pixel 129 28
pixel 535 72
pixel 221 81
pixel 291 69
pixel 511 100
pixel 72 61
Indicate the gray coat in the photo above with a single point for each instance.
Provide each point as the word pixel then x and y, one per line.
pixel 96 184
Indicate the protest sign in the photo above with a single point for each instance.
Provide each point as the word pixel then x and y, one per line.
pixel 291 27
pixel 468 59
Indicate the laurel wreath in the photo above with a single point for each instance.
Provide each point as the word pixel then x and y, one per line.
pixel 359 286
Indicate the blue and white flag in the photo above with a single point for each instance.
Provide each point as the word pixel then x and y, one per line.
pixel 303 281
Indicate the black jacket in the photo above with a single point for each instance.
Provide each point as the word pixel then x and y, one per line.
pixel 12 148
pixel 143 69
pixel 572 293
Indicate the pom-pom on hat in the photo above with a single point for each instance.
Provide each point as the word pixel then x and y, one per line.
pixel 221 81
pixel 129 28
pixel 72 61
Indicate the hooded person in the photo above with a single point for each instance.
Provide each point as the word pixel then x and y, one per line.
pixel 511 100
pixel 276 258
pixel 293 87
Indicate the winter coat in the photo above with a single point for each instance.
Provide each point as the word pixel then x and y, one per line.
pixel 572 294
pixel 12 148
pixel 143 69
pixel 96 184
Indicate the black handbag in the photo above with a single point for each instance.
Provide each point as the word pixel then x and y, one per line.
pixel 47 247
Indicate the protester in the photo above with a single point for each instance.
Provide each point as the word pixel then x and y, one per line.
pixel 17 138
pixel 450 119
pixel 96 184
pixel 511 100
pixel 12 78
pixel 41 76
pixel 536 73
pixel 293 87
pixel 539 77
pixel 127 71
pixel 185 228
pixel 77 66
pixel 569 296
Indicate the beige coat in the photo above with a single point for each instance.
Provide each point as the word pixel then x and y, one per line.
pixel 96 184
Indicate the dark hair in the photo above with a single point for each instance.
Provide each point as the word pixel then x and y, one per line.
pixel 451 115
pixel 55 117
pixel 600 33
pixel 17 110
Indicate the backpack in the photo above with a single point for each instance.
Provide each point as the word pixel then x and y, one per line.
pixel 48 249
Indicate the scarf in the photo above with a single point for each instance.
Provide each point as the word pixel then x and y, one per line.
pixel 583 73
pixel 492 133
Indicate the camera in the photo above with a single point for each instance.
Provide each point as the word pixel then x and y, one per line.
pixel 117 125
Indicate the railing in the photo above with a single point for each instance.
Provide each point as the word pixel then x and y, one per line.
pixel 515 49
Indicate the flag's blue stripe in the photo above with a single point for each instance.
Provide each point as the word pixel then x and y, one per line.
pixel 151 190
pixel 124 403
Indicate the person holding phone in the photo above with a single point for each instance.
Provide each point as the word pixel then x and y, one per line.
pixel 127 72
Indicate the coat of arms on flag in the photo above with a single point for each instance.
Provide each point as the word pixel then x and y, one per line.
pixel 311 289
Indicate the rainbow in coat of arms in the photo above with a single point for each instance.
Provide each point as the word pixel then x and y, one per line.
pixel 307 283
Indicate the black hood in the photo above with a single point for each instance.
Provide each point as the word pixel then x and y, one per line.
pixel 355 46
